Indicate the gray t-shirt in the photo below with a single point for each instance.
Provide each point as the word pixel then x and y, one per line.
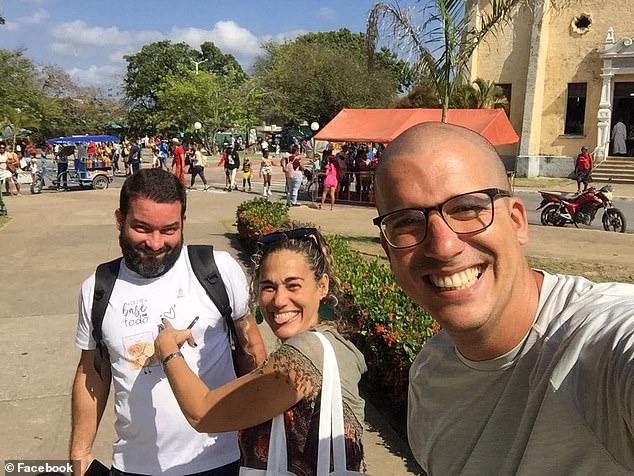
pixel 561 402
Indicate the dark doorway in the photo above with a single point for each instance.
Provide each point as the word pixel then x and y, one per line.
pixel 623 110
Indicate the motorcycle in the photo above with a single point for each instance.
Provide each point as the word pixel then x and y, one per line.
pixel 561 208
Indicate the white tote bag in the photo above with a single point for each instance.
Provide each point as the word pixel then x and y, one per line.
pixel 330 427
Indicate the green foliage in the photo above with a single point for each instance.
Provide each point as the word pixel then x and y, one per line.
pixel 163 73
pixel 356 44
pixel 215 101
pixel 440 37
pixel 258 217
pixel 389 328
pixel 481 94
pixel 219 63
pixel 147 69
pixel 304 79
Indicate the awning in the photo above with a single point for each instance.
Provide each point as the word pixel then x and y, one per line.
pixel 384 125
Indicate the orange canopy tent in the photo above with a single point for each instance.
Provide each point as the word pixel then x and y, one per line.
pixel 384 125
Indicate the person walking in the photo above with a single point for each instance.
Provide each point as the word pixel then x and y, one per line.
pixel 154 280
pixel 232 164
pixel 198 167
pixel 295 173
pixel 330 182
pixel 266 172
pixel 134 158
pixel 246 174
pixel 178 161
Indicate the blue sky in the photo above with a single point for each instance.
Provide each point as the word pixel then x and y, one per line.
pixel 88 37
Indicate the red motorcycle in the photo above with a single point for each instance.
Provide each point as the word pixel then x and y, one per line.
pixel 561 208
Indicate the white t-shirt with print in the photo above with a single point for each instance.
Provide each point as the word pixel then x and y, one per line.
pixel 153 435
pixel 561 402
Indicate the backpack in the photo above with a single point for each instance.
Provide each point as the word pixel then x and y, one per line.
pixel 206 271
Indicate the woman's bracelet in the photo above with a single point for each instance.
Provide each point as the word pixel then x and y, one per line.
pixel 171 356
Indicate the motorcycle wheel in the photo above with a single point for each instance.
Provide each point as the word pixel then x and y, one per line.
pixel 614 220
pixel 36 186
pixel 551 217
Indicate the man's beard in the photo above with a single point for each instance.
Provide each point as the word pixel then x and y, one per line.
pixel 144 262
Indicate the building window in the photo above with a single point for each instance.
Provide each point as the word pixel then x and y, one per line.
pixel 507 89
pixel 575 109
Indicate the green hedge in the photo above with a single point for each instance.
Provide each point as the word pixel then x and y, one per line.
pixel 388 327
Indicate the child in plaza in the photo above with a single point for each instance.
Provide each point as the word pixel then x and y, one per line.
pixel 330 182
pixel 246 173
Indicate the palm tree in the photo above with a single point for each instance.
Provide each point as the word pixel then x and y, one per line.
pixel 439 37
pixel 480 94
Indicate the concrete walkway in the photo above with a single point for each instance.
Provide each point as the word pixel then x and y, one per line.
pixel 55 240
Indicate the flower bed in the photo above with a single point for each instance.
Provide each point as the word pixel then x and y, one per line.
pixel 258 217
pixel 388 327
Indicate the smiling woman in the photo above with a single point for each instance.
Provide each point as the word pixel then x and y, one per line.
pixel 292 278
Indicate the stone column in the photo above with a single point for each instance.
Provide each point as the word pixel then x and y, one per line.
pixel 528 160
pixel 604 115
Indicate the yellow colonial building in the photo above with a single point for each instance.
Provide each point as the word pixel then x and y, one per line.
pixel 568 73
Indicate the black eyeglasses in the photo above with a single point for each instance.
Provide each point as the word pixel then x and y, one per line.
pixel 294 234
pixel 466 213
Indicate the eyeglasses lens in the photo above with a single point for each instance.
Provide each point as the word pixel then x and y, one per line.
pixel 463 214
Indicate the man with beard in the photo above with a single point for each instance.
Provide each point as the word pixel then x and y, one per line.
pixel 156 281
pixel 532 373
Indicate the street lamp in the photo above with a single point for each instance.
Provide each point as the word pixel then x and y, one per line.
pixel 198 126
pixel 314 126
pixel 197 63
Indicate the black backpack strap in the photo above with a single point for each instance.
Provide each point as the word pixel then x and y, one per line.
pixel 105 277
pixel 204 266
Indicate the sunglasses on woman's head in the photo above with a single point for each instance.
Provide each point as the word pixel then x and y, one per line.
pixel 294 234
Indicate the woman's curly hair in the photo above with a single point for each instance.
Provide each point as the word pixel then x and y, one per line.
pixel 317 252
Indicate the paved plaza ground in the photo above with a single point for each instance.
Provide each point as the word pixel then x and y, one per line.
pixel 55 240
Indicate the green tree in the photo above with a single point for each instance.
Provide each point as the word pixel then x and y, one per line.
pixel 220 63
pixel 481 94
pixel 356 44
pixel 147 69
pixel 304 80
pixel 213 100
pixel 439 37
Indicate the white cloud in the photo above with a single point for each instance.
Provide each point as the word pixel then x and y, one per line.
pixel 38 17
pixel 227 35
pixel 327 13
pixel 78 33
pixel 96 75
pixel 286 35
pixel 78 39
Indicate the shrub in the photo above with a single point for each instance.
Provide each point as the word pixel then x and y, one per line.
pixel 389 328
pixel 258 217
